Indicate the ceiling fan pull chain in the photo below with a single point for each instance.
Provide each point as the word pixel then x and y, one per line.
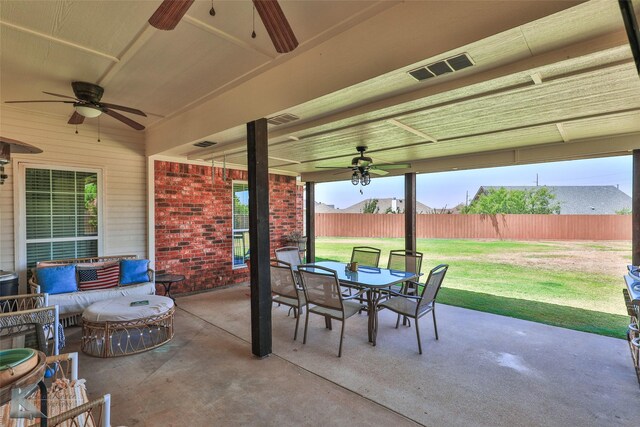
pixel 212 11
pixel 76 129
pixel 98 129
pixel 253 33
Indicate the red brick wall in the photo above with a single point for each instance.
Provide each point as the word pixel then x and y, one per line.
pixel 193 222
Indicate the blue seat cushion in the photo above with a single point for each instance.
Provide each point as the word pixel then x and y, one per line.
pixel 134 271
pixel 57 280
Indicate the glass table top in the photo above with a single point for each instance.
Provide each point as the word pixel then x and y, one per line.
pixel 367 276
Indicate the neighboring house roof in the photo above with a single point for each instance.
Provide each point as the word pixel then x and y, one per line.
pixel 324 208
pixel 384 204
pixel 580 199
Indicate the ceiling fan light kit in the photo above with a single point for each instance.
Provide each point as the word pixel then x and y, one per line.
pixel 363 166
pixel 86 111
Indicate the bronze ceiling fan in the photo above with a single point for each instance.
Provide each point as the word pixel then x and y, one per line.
pixel 170 12
pixel 87 104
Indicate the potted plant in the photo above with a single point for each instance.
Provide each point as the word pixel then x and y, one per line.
pixel 295 238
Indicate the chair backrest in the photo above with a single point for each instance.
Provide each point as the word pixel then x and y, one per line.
pixel 404 260
pixel 35 326
pixel 365 255
pixel 290 255
pixel 283 281
pixel 432 285
pixel 321 286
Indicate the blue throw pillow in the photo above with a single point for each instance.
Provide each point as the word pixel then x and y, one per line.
pixel 134 271
pixel 57 280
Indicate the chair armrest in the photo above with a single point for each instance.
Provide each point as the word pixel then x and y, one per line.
pixel 13 303
pixel 403 295
pixel 32 285
pixel 152 275
pixel 103 401
pixel 68 363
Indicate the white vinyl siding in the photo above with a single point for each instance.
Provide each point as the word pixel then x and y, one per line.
pixel 120 155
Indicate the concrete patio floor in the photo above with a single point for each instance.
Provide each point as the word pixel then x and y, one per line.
pixel 485 370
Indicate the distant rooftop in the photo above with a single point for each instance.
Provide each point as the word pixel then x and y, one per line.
pixel 580 199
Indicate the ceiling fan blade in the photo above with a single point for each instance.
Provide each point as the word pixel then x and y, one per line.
pixel 374 171
pixel 76 119
pixel 277 25
pixel 169 13
pixel 40 100
pixel 393 166
pixel 123 108
pixel 123 119
pixel 57 94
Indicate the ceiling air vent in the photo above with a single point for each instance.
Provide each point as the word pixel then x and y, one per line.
pixel 459 62
pixel 439 68
pixel 421 74
pixel 205 144
pixel 282 119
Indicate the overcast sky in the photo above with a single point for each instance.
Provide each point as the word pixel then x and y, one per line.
pixel 450 188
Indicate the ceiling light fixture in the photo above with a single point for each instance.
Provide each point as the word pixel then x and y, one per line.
pixel 86 111
pixel 360 176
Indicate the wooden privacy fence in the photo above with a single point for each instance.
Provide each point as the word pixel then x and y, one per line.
pixel 509 227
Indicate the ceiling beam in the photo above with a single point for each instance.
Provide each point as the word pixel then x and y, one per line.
pixel 331 65
pixel 226 36
pixel 59 41
pixel 140 39
pixel 578 149
pixel 608 41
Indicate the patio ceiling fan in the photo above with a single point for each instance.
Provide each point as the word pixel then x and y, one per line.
pixel 87 104
pixel 363 166
pixel 170 12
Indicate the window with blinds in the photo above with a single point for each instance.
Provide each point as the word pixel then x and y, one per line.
pixel 240 223
pixel 61 210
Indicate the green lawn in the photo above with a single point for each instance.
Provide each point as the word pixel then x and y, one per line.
pixel 576 285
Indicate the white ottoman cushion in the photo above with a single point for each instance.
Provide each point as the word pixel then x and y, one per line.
pixel 120 309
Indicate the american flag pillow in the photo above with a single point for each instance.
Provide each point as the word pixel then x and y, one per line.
pixel 92 278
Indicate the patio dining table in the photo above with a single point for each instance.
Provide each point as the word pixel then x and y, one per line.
pixel 371 279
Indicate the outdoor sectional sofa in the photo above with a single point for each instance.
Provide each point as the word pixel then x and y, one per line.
pixel 73 300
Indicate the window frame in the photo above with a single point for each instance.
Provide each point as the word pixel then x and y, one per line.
pixel 235 266
pixel 20 220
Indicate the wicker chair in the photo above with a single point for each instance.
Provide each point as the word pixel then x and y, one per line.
pixel 286 290
pixel 324 297
pixel 25 320
pixel 416 306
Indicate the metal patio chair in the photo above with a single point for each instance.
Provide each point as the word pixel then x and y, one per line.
pixel 405 260
pixel 286 290
pixel 416 306
pixel 366 255
pixel 324 297
pixel 289 254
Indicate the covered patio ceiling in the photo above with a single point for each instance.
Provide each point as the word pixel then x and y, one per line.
pixel 550 80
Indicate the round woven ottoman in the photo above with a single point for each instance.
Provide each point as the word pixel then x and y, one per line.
pixel 127 325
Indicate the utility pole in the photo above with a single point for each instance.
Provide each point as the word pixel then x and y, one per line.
pixel 466 202
pixel 536 180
